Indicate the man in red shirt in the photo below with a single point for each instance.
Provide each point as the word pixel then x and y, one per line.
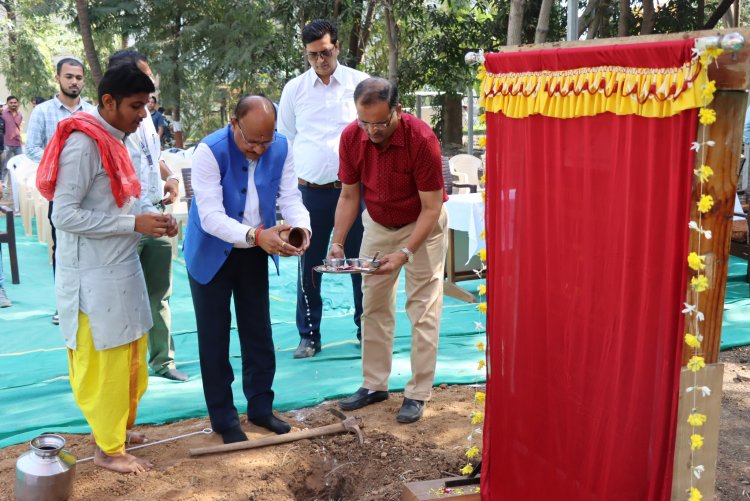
pixel 13 146
pixel 392 159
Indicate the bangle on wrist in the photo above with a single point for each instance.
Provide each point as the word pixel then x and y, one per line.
pixel 257 233
pixel 336 243
pixel 173 176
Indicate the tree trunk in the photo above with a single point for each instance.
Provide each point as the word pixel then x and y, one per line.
pixel 367 27
pixel 515 22
pixel 647 26
pixel 701 18
pixel 177 81
pixel 542 26
pixel 391 31
pixel 124 38
pixel 585 19
pixel 622 22
pixel 10 13
pixel 452 127
pixel 355 36
pixel 84 26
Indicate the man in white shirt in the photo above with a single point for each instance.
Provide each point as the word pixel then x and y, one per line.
pixel 313 110
pixel 239 174
pixel 159 188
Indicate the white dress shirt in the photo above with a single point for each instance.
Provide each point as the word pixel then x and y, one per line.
pixel 209 195
pixel 312 116
pixel 145 149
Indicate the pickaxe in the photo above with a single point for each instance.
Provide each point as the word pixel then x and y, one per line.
pixel 348 423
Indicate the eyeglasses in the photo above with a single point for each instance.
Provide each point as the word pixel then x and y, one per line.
pixel 377 126
pixel 254 144
pixel 313 56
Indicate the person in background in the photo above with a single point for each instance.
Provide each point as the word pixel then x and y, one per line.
pixel 13 119
pixel 159 187
pixel 100 217
pixel 392 160
pixel 45 117
pixel 313 110
pixel 239 174
pixel 157 117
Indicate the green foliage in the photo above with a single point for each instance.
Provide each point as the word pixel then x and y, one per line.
pixel 206 53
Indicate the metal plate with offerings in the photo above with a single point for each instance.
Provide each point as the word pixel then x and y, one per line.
pixel 348 266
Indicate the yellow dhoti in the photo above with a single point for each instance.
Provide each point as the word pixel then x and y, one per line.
pixel 107 386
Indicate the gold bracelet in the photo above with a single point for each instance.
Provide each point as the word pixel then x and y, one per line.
pixel 336 243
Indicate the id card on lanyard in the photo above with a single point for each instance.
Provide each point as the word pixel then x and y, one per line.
pixel 153 176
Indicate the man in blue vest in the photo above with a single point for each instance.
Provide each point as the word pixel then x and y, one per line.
pixel 239 174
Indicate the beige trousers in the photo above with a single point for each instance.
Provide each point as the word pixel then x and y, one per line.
pixel 424 305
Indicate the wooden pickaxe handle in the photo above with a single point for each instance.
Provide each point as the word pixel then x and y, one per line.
pixel 275 439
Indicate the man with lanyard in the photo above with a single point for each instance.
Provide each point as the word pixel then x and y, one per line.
pixel 44 118
pixel 392 160
pixel 313 110
pixel 155 253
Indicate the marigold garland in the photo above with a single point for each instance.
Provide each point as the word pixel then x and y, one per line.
pixel 697 262
pixel 479 397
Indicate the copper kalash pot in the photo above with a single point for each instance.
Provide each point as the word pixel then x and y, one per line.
pixel 45 473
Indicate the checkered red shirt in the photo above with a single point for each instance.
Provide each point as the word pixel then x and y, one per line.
pixel 392 178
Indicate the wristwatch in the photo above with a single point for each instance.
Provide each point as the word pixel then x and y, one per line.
pixel 409 254
pixel 250 236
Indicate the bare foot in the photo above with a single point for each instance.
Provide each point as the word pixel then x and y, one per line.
pixel 124 463
pixel 132 437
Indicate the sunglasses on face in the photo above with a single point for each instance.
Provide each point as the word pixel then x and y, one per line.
pixel 325 54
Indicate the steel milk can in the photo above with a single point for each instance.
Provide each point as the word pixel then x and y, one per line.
pixel 45 473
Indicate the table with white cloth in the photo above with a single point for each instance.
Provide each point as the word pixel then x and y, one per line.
pixel 466 224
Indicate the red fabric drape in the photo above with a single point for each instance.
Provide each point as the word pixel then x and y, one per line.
pixel 587 233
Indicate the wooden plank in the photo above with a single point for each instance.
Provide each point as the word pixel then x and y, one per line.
pixel 712 377
pixel 430 490
pixel 724 159
pixel 732 72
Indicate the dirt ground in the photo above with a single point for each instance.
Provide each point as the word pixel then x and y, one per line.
pixel 337 468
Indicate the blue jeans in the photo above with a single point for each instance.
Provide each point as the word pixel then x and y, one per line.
pixel 321 203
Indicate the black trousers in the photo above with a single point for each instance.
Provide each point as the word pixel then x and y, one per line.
pixel 321 204
pixel 244 277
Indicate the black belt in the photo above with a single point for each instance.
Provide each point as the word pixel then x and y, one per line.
pixel 396 227
pixel 327 186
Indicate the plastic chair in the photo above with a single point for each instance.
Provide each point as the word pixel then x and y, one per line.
pixel 22 174
pixel 466 170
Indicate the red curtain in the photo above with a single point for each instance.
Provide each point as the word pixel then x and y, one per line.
pixel 587 233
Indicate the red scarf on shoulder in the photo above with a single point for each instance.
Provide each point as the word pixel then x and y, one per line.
pixel 114 154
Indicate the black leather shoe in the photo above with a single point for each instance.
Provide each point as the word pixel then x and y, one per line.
pixel 272 423
pixel 233 435
pixel 411 410
pixel 174 375
pixel 307 348
pixel 361 398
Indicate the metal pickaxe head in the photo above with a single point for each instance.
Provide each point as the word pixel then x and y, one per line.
pixel 351 423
